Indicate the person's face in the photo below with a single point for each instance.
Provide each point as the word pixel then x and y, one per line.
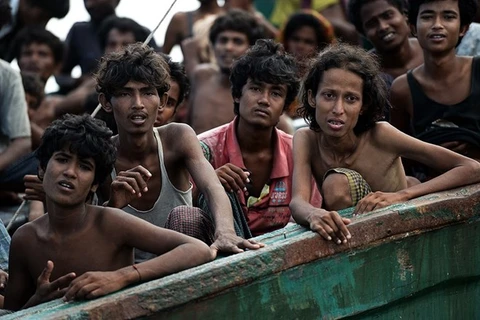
pixel 384 25
pixel 229 46
pixel 100 9
pixel 438 25
pixel 116 40
pixel 338 102
pixel 37 58
pixel 303 42
pixel 68 179
pixel 261 104
pixel 166 113
pixel 134 107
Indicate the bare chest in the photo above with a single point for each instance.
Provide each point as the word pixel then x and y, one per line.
pixel 79 254
pixel 212 106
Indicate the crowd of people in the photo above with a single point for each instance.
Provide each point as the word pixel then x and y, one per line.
pixel 185 160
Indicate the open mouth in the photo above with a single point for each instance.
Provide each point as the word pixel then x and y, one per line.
pixel 138 118
pixel 66 185
pixel 335 124
pixel 389 36
pixel 437 36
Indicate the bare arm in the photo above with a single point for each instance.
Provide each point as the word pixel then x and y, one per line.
pixel 16 149
pixel 457 169
pixel 190 54
pixel 207 183
pixel 401 101
pixel 20 283
pixel 176 252
pixel 173 33
pixel 328 224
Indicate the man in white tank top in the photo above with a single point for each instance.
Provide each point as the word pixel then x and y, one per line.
pixel 154 165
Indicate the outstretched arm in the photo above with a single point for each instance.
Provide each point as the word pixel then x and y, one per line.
pixel 329 224
pixel 176 252
pixel 207 183
pixel 456 169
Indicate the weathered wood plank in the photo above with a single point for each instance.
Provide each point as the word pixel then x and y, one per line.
pixel 418 258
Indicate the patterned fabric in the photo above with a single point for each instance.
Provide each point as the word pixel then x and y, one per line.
pixel 199 223
pixel 4 247
pixel 193 222
pixel 359 188
pixel 239 222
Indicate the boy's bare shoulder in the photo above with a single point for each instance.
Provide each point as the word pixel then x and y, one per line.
pixel 382 133
pixel 305 134
pixel 176 134
pixel 31 231
pixel 174 129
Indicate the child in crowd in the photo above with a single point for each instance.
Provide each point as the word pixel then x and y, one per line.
pixel 91 247
pixel 355 157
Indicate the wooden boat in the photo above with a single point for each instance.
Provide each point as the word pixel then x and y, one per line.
pixel 416 260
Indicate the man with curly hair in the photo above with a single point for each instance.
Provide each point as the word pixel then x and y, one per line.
pixel 354 157
pixel 84 251
pixel 251 157
pixel 151 176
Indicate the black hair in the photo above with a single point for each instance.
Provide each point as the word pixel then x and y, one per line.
pixel 355 6
pixel 123 25
pixel 177 74
pixel 34 34
pixel 134 63
pixel 302 19
pixel 359 62
pixel 239 21
pixel 467 8
pixel 34 86
pixel 55 8
pixel 267 62
pixel 84 136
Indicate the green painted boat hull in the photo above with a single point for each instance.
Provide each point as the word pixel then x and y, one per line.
pixel 417 260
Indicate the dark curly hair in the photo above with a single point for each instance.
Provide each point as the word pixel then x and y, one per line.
pixel 359 62
pixel 239 21
pixel 177 73
pixel 33 34
pixel 354 7
pixel 268 62
pixel 84 136
pixel 134 63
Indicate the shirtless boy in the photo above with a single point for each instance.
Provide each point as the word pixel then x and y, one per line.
pixel 91 247
pixel 384 23
pixel 153 166
pixel 354 157
pixel 444 91
pixel 210 101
